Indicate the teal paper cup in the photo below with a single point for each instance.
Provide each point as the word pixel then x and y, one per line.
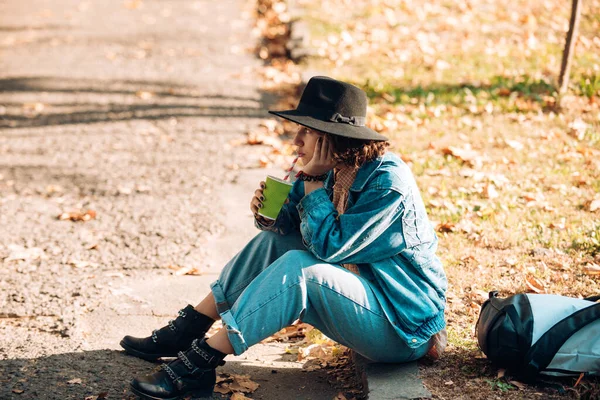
pixel 275 193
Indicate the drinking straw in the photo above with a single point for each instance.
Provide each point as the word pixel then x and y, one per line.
pixel 290 169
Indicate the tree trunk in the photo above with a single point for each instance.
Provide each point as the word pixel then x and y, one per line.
pixel 565 67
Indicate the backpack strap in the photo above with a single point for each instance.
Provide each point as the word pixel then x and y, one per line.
pixel 593 298
pixel 543 351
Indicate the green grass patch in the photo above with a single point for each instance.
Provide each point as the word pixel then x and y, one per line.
pixel 500 90
pixel 500 385
pixel 587 241
pixel 589 85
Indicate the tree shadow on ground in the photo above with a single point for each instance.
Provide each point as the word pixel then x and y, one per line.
pixel 92 101
pixel 54 180
pixel 108 372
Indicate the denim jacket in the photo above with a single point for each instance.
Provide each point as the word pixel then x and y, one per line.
pixel 386 232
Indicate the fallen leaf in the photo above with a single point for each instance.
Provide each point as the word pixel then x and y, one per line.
pixel 518 384
pixel 239 396
pixel 512 261
pixel 340 396
pixel 591 269
pixel 560 225
pixel 231 383
pixel 515 144
pixel 78 215
pixel 535 285
pixel 20 253
pixel 467 155
pixel 100 396
pixel 18 391
pixel 82 264
pixel 144 95
pixel 264 162
pixel 594 205
pixel 34 107
pixel 187 270
pixel 501 373
pixel 222 389
pixel 313 350
pixel 242 383
pixel 578 129
pixel 490 192
pixel 74 381
pixel 446 227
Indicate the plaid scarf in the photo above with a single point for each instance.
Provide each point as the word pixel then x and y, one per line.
pixel 344 177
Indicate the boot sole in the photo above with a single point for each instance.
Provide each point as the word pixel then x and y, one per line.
pixel 195 395
pixel 144 356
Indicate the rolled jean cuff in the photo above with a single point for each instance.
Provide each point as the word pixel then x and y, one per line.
pixel 233 332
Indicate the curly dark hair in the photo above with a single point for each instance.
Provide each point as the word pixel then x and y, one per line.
pixel 356 152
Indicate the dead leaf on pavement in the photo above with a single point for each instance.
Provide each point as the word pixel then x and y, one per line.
pixel 242 383
pixel 340 396
pixel 144 95
pixel 231 383
pixel 100 396
pixel 264 162
pixel 82 264
pixel 18 253
pixel 239 396
pixel 187 270
pixel 18 391
pixel 34 107
pixel 74 381
pixel 81 215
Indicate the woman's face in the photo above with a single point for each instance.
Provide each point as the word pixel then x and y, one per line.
pixel 306 139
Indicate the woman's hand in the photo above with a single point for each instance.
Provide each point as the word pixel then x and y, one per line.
pixel 322 160
pixel 256 204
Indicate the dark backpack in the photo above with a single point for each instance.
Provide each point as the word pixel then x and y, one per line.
pixel 529 334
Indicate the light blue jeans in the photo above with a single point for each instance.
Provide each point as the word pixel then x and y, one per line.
pixel 275 280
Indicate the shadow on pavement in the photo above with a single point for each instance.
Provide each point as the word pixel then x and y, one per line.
pixel 108 372
pixel 115 101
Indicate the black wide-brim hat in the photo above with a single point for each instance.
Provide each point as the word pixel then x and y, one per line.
pixel 335 107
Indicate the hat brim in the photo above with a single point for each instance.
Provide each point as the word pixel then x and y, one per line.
pixel 335 128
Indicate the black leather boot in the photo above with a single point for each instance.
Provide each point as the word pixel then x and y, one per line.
pixel 167 341
pixel 191 374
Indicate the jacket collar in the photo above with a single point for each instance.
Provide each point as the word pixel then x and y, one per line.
pixel 362 176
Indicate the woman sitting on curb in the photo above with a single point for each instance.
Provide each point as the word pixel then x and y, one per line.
pixel 351 253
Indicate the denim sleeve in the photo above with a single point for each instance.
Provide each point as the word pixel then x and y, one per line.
pixel 369 231
pixel 288 219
